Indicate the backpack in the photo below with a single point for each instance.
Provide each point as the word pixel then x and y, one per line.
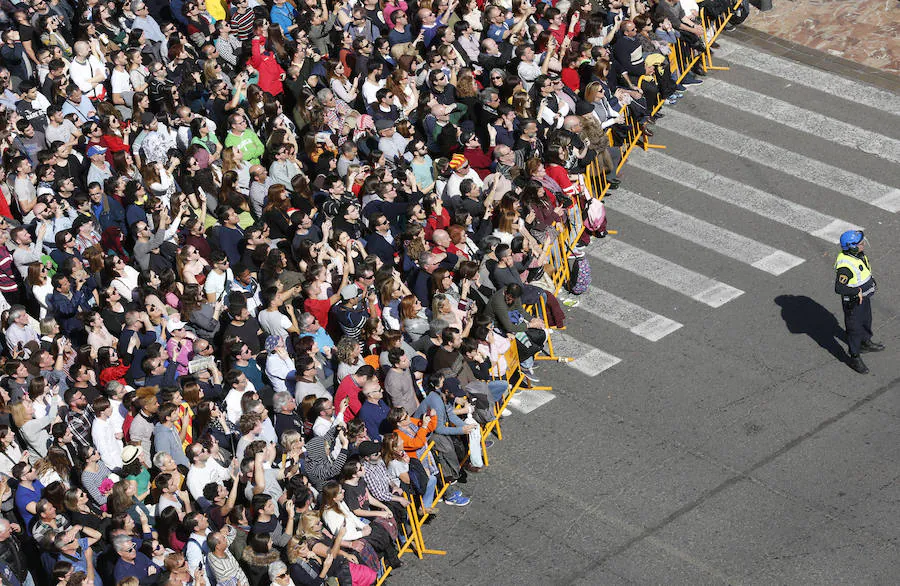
pixel 595 216
pixel 579 276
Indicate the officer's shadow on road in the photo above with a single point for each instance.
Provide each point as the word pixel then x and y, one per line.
pixel 803 315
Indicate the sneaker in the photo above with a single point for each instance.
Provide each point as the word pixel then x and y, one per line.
pixel 457 500
pixel 672 100
pixel 679 95
pixel 577 253
pixel 506 413
pixel 692 81
pixel 570 302
pixel 680 88
pixel 531 378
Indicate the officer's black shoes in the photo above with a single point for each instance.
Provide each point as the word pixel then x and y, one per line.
pixel 858 365
pixel 870 346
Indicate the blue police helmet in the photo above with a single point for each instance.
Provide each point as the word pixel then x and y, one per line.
pixel 851 238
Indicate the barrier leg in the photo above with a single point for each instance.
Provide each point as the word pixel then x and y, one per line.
pixel 416 523
pixel 550 355
pixel 707 53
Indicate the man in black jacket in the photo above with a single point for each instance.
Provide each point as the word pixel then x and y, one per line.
pixel 11 550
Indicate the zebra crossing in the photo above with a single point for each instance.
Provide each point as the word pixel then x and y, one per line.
pixel 838 195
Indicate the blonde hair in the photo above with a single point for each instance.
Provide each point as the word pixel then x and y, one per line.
pixel 19 413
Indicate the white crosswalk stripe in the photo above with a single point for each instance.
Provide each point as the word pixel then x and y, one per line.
pixel 741 195
pixel 818 79
pixel 784 160
pixel 800 119
pixel 663 272
pixel 732 245
pixel 639 321
pixel 587 359
pixel 526 401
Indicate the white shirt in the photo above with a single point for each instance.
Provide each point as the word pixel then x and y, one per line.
pixel 120 82
pixel 528 72
pixel 233 405
pixel 193 552
pixel 198 478
pixel 215 282
pixel 353 523
pixel 322 424
pixel 80 73
pixel 104 436
pixel 127 283
pixel 278 369
pixel 369 90
pixel 274 323
pixel 452 188
pixel 117 419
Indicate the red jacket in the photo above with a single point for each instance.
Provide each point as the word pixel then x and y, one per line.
pixel 480 160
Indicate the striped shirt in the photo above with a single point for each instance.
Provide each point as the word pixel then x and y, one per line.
pixel 243 25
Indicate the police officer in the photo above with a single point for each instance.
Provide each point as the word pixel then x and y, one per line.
pixel 854 283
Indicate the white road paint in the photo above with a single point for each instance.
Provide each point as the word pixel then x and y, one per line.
pixel 801 119
pixel 813 77
pixel 746 250
pixel 663 272
pixel 784 160
pixel 526 401
pixel 634 318
pixel 588 360
pixel 743 196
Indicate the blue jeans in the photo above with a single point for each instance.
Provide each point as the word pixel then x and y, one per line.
pixel 498 389
pixel 428 499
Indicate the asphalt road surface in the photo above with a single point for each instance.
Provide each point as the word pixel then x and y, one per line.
pixel 709 430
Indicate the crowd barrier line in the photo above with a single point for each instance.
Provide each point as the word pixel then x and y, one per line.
pixel 594 186
pixel 718 24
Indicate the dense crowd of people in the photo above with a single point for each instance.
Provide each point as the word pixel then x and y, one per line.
pixel 256 257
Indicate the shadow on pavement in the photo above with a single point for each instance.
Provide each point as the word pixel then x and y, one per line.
pixel 803 315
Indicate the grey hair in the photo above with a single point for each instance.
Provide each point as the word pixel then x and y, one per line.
pixel 15 312
pixel 307 318
pixel 487 94
pixel 122 542
pixel 323 94
pixel 59 540
pixel 112 387
pixel 276 568
pixel 280 400
pixel 159 458
pixel 426 258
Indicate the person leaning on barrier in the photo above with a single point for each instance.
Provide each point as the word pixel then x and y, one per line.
pixel 856 286
pixel 508 313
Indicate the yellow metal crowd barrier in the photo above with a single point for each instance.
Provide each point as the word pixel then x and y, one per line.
pixel 594 185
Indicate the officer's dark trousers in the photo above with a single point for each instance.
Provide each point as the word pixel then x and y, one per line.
pixel 858 323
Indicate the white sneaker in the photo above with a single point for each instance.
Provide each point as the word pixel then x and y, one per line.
pixel 506 413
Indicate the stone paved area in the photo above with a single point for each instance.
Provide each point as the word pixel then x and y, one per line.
pixel 840 36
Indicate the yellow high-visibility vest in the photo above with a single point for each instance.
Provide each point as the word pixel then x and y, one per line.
pixel 862 271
